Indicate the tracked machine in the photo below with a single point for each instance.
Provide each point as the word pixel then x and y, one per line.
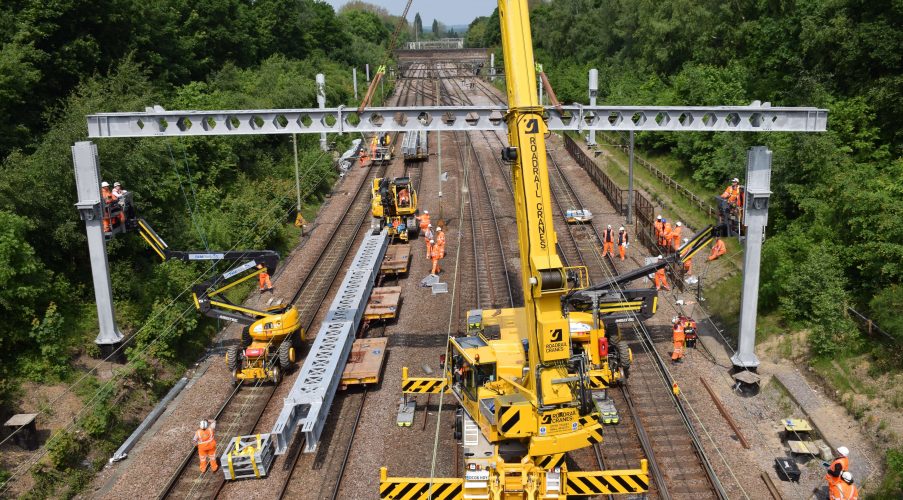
pixel 393 205
pixel 270 336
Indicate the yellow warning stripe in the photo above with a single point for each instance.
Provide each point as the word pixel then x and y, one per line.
pixel 605 483
pixel 420 489
pixel 423 385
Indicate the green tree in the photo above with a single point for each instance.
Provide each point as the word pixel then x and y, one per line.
pixel 436 29
pixel 418 26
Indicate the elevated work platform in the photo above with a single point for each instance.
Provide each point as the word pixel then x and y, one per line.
pixel 307 404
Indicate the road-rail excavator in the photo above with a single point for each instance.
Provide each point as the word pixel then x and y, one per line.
pixel 522 376
pixel 270 336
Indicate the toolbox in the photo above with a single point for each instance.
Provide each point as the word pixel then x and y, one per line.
pixel 787 469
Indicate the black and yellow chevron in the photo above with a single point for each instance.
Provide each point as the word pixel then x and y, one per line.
pixel 591 424
pixel 423 385
pixel 596 380
pixel 418 488
pixel 549 462
pixel 515 420
pixel 606 482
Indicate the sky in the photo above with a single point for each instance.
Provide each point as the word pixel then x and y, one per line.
pixel 447 12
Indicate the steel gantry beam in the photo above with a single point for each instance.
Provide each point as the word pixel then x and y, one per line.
pixel 157 122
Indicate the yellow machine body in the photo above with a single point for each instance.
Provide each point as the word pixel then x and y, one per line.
pixel 517 386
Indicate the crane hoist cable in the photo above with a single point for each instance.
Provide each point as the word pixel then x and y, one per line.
pixel 382 68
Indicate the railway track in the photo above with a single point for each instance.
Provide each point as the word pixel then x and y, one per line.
pixel 248 402
pixel 341 432
pixel 652 426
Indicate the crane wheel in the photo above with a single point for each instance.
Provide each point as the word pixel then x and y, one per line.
pixel 286 354
pixel 246 336
pixel 232 358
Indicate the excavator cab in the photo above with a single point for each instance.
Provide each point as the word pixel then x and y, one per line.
pixel 393 205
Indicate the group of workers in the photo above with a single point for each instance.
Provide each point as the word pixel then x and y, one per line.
pixel 113 201
pixel 840 479
pixel 434 239
pixel 608 242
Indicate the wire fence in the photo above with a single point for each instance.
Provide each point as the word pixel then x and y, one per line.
pixel 868 326
pixel 709 209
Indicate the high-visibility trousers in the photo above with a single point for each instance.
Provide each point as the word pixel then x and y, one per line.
pixel 678 350
pixel 622 250
pixel 207 455
pixel 661 282
pixel 608 248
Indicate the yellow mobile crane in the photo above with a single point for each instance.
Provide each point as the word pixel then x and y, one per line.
pixel 524 391
pixel 269 336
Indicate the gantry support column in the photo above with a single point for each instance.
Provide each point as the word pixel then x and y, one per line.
pixel 593 90
pixel 321 102
pixel 87 183
pixel 755 218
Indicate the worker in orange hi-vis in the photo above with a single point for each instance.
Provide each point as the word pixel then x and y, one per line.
pixel 440 239
pixel 108 200
pixel 659 227
pixel 665 238
pixel 435 254
pixel 843 489
pixel 688 263
pixel 732 193
pixel 424 221
pixel 623 242
pixel 661 281
pixel 264 279
pixel 608 241
pixel 838 466
pixel 677 331
pixel 203 437
pixel 718 250
pixel 675 236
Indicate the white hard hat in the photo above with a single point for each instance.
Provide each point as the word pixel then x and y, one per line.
pixel 735 180
pixel 847 476
pixel 609 226
pixel 204 424
pixel 659 217
pixel 426 212
pixel 674 320
pixel 104 184
pixel 116 184
pixel 660 257
pixel 843 450
pixel 432 241
pixel 429 225
pixel 679 223
pixel 621 228
pixel 438 229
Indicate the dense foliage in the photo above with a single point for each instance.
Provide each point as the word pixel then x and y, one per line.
pixel 834 232
pixel 62 60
